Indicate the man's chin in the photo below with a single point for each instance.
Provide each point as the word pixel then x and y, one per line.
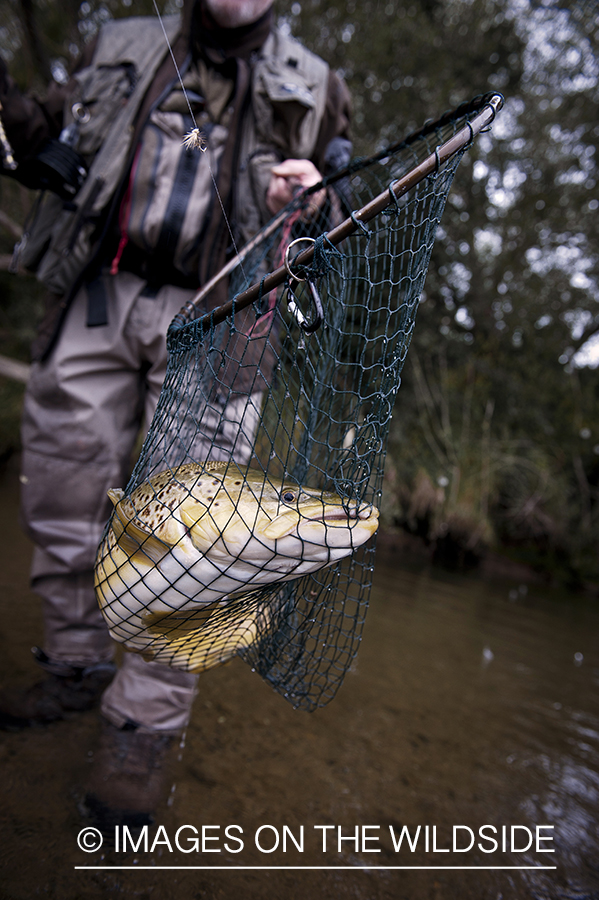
pixel 236 13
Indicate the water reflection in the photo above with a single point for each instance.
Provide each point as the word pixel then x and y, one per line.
pixel 520 667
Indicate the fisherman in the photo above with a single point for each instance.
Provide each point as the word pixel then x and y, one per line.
pixel 131 223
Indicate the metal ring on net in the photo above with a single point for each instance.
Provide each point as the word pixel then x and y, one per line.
pixel 359 223
pixel 393 199
pixel 471 141
pixel 489 125
pixel 286 260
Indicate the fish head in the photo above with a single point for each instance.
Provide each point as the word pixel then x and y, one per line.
pixel 246 515
pixel 319 527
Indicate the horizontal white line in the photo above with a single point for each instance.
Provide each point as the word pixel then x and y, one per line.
pixel 314 868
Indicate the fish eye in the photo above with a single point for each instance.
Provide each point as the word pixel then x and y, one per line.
pixel 288 496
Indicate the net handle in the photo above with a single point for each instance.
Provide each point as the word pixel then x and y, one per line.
pixel 356 220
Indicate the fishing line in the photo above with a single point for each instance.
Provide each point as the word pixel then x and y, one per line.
pixel 170 50
pixel 194 139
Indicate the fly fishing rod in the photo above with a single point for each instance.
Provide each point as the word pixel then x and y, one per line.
pixel 431 164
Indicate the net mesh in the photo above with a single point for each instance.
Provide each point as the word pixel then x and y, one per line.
pixel 247 527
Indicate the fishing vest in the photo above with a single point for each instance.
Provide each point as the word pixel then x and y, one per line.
pixel 288 91
pixel 101 113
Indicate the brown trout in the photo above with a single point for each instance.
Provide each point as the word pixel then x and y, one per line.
pixel 191 541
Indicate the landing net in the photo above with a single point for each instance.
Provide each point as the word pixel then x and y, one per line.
pixel 247 526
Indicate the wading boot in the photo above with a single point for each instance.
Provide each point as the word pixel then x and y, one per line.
pixel 131 775
pixel 65 689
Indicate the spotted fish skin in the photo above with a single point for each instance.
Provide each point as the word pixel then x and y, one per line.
pixel 195 536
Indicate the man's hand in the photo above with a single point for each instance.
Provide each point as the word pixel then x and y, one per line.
pixel 285 180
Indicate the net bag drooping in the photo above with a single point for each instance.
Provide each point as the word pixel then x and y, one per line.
pixel 246 527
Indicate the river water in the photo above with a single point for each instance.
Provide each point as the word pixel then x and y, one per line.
pixel 470 704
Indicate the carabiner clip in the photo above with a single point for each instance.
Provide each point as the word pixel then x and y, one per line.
pixel 308 325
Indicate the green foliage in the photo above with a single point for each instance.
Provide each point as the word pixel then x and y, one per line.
pixel 40 39
pixel 495 438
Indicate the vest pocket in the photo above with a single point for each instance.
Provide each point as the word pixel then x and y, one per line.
pixel 281 105
pixel 38 231
pixel 69 248
pixel 99 96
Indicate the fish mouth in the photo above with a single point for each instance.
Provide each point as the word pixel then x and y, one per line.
pixel 342 514
pixel 285 523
